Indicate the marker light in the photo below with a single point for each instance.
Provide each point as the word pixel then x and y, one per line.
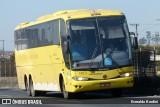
pixel 80 78
pixel 126 74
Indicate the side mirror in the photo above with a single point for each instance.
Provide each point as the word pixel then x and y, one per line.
pixel 135 43
pixel 132 33
pixel 101 36
pixel 134 40
pixel 68 38
pixel 66 47
pixel 66 41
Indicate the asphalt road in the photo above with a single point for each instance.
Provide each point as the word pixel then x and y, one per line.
pixel 87 98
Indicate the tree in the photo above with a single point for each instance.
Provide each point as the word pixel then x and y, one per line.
pixel 156 36
pixel 142 40
pixel 148 36
pixel 12 59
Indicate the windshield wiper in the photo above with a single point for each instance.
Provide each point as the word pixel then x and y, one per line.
pixel 117 65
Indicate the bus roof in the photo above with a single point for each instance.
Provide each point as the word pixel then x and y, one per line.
pixel 71 14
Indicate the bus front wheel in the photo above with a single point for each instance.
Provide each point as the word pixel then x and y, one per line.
pixel 66 94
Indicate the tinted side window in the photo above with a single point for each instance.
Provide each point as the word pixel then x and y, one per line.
pixel 56 32
pixel 49 33
pixel 40 28
pixel 62 28
pixel 16 39
pixel 64 42
pixel 39 35
pixel 24 40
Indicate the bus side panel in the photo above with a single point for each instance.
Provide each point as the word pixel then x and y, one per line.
pixel 44 64
pixel 49 65
pixel 20 77
pixel 20 59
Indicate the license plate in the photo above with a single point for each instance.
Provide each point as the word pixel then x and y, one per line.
pixel 104 84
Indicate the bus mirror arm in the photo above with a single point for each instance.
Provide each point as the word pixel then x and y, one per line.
pixel 135 40
pixel 68 38
pixel 66 41
pixel 132 33
pixel 135 43
pixel 66 47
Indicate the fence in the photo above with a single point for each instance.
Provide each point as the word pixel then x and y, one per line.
pixel 7 69
pixel 143 64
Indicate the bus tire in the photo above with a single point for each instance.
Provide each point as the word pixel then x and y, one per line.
pixel 66 94
pixel 26 83
pixel 28 90
pixel 33 92
pixel 116 92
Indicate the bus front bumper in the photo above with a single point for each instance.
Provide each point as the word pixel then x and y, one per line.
pixel 79 86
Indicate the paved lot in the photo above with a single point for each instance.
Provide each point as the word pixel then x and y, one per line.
pixel 87 98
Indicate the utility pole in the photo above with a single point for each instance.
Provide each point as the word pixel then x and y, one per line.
pixel 136 26
pixel 3 48
pixel 136 50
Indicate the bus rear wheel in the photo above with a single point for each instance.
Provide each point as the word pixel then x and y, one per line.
pixel 28 88
pixel 26 84
pixel 32 91
pixel 66 94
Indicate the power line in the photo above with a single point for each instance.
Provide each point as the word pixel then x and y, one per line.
pixel 154 24
pixel 151 25
pixel 147 28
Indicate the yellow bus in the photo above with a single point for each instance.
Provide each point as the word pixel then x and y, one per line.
pixel 74 51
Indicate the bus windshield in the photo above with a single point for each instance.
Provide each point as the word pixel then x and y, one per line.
pixel 99 43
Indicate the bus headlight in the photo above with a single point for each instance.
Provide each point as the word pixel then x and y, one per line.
pixel 80 78
pixel 126 74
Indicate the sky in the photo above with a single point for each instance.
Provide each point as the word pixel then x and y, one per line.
pixel 13 12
